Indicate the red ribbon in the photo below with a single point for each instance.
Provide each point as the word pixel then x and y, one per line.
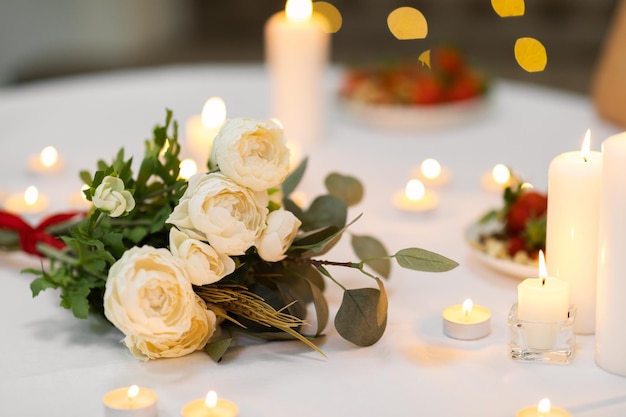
pixel 29 236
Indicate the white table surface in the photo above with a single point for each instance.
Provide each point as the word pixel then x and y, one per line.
pixel 53 364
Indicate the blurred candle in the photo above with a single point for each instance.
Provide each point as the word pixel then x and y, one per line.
pixel 296 51
pixel 610 312
pixel 416 197
pixel 432 173
pixel 498 179
pixel 201 129
pixel 572 228
pixel 46 162
pixel 28 202
pixel 78 200
pixel 543 409
pixel 130 401
pixel 188 167
pixel 211 406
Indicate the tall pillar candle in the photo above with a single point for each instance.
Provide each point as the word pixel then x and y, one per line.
pixel 296 49
pixel 572 228
pixel 611 292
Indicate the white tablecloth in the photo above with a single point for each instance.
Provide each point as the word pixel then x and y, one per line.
pixel 53 364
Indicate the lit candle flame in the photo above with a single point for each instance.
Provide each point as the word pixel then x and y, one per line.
pixel 298 10
pixel 31 195
pixel 211 399
pixel 188 167
pixel 543 272
pixel 467 307
pixel 213 112
pixel 501 174
pixel 431 168
pixel 48 156
pixel 133 390
pixel 526 185
pixel 586 148
pixel 415 190
pixel 544 406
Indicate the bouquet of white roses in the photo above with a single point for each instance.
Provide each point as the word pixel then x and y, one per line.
pixel 167 260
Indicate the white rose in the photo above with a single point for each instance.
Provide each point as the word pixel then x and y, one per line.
pixel 111 197
pixel 252 153
pixel 202 263
pixel 148 297
pixel 203 325
pixel 282 227
pixel 217 210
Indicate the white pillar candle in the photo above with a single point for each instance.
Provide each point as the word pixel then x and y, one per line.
pixel 201 129
pixel 572 228
pixel 211 406
pixel 130 401
pixel 296 49
pixel 542 300
pixel 610 311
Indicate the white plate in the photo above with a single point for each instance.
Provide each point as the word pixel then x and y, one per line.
pixel 415 117
pixel 472 236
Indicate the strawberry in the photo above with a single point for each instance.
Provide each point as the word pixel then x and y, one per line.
pixel 515 244
pixel 529 205
pixel 428 90
pixel 464 87
pixel 447 59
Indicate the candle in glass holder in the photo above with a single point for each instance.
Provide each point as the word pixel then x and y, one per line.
pixel 432 173
pixel 211 406
pixel 297 49
pixel 543 409
pixel 130 401
pixel 201 129
pixel 498 179
pixel 47 161
pixel 466 321
pixel 542 300
pixel 31 201
pixel 415 197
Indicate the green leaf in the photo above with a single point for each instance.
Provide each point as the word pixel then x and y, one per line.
pixel 292 181
pixel 85 177
pixel 367 248
pixel 346 188
pixel 383 304
pixel 422 260
pixel 359 318
pixel 321 307
pixel 40 284
pixel 217 349
pixel 325 210
pixel 323 246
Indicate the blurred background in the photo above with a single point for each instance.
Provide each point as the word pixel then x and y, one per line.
pixel 49 38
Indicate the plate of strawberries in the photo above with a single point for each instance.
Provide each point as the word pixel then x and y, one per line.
pixel 439 89
pixel 508 239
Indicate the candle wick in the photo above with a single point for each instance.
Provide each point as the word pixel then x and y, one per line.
pixel 543 281
pixel 585 158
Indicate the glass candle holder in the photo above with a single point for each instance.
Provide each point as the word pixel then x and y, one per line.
pixel 541 342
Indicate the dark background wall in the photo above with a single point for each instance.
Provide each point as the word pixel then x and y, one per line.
pixel 135 33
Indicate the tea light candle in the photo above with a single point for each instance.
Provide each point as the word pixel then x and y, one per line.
pixel 211 406
pixel 28 202
pixel 416 197
pixel 202 129
pixel 498 179
pixel 432 173
pixel 130 401
pixel 46 162
pixel 542 300
pixel 466 321
pixel 572 228
pixel 78 200
pixel 296 49
pixel 543 409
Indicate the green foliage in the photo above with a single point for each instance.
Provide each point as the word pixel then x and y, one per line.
pixel 372 253
pixel 96 242
pixel 347 189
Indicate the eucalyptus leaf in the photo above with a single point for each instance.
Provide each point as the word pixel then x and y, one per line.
pixel 292 181
pixel 217 349
pixel 346 188
pixel 423 260
pixel 325 210
pixel 369 250
pixel 383 304
pixel 321 308
pixel 359 318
